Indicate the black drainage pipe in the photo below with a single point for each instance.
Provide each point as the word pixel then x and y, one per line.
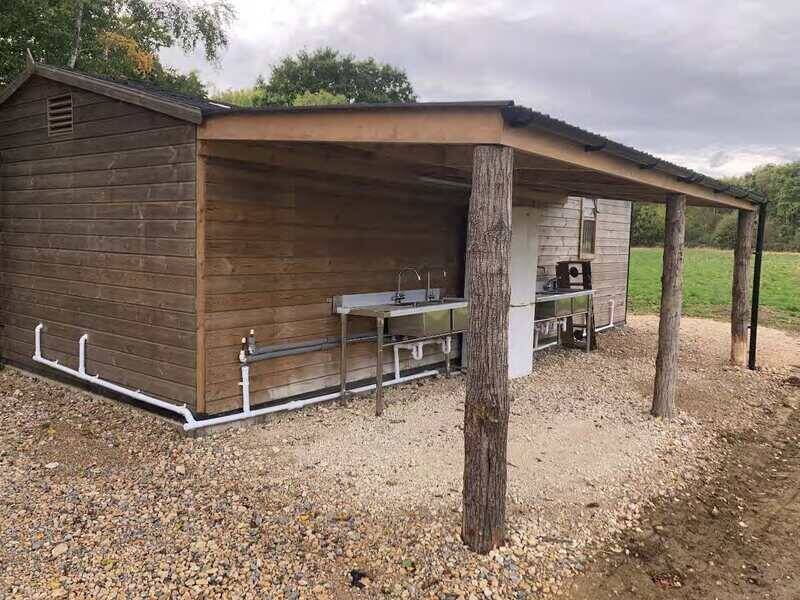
pixel 762 221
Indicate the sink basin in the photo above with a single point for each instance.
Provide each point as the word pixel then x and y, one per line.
pixel 424 324
pixel 421 303
pixel 416 317
pixel 558 291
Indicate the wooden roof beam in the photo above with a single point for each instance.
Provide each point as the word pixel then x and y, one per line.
pixel 541 143
pixel 453 125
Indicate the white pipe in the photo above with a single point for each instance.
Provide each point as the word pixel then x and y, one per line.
pixel 610 319
pixel 396 362
pixel 192 423
pixel 296 404
pixel 82 354
pixel 445 343
pixel 245 383
pixel 417 349
pixel 547 345
pixel 95 380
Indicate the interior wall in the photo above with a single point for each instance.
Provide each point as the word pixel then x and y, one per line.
pixel 281 242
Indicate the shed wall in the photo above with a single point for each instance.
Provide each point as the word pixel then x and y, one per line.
pixel 559 234
pixel 282 239
pixel 281 242
pixel 98 237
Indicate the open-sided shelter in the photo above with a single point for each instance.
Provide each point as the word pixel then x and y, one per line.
pixel 149 232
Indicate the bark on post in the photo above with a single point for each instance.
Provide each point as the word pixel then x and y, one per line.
pixel 739 304
pixel 666 380
pixel 487 401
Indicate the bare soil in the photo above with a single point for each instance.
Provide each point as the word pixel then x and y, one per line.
pixel 736 537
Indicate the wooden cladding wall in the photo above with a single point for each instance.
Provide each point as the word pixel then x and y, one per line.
pixel 558 240
pixel 98 237
pixel 281 241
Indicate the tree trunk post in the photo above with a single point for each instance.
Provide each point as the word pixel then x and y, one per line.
pixel 739 304
pixel 487 401
pixel 669 324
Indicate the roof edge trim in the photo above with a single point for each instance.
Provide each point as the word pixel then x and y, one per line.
pixel 261 110
pixel 105 88
pixel 12 87
pixel 520 116
pixel 120 92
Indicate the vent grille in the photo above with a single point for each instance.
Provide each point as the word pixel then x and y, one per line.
pixel 59 115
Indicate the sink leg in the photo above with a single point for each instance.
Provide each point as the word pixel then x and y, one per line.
pixel 589 322
pixel 447 370
pixel 379 368
pixel 343 361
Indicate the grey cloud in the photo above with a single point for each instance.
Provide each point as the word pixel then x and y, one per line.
pixel 681 77
pixel 718 159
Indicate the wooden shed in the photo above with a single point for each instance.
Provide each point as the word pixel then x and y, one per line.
pixel 160 229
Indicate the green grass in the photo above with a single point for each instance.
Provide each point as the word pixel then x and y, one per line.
pixel 707 285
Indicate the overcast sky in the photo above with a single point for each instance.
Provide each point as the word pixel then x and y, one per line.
pixel 710 84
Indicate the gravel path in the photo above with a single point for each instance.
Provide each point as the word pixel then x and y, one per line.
pixel 102 501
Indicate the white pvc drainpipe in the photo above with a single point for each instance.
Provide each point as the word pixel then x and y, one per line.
pixel 294 404
pixel 610 319
pixel 192 423
pixel 95 379
pixel 417 350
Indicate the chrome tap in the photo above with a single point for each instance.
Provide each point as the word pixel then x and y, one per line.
pixel 399 296
pixel 428 292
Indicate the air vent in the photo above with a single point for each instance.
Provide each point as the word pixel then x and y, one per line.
pixel 59 115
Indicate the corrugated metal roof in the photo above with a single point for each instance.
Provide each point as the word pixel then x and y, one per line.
pixel 520 116
pixel 368 106
pixel 206 106
pixel 514 116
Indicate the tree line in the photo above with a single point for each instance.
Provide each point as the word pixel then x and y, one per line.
pixel 114 38
pixel 325 76
pixel 717 228
pixel 121 39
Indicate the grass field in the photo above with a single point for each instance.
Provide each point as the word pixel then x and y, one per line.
pixel 707 285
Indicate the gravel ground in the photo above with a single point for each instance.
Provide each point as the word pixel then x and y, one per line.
pixel 102 501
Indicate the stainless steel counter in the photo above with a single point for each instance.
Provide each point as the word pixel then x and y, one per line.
pixel 557 310
pixel 422 315
pixel 549 296
pixel 400 310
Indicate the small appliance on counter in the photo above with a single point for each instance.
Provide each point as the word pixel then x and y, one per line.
pixel 560 301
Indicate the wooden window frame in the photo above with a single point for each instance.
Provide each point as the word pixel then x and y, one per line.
pixel 582 254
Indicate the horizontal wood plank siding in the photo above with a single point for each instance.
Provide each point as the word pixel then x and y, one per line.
pixel 282 241
pixel 558 240
pixel 98 237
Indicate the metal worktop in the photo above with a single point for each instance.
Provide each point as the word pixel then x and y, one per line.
pixel 401 310
pixel 550 296
pixel 383 307
pixel 560 307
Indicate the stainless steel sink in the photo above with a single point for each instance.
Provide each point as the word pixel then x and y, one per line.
pixel 424 324
pixel 421 303
pixel 453 317
pixel 417 317
pixel 461 318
